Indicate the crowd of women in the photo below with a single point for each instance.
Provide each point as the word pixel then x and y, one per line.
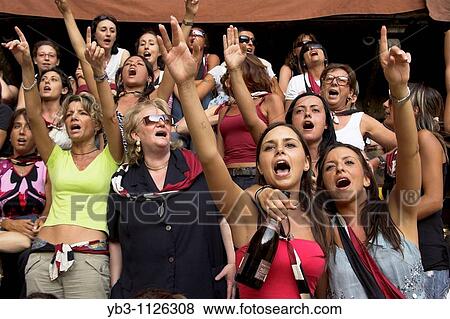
pixel 148 173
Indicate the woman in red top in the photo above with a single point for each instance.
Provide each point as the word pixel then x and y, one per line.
pixel 282 161
pixel 250 93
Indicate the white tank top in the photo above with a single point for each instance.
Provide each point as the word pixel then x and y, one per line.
pixel 351 133
pixel 113 65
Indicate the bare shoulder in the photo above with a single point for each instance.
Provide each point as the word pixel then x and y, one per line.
pixel 429 143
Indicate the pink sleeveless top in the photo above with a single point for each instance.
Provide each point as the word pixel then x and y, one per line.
pixel 238 143
pixel 280 282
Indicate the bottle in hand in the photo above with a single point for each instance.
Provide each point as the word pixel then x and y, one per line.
pixel 255 265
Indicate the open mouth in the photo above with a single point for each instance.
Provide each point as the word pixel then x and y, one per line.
pixel 249 50
pixel 308 125
pixel 342 182
pixel 147 54
pixel 314 53
pixel 75 127
pixel 132 71
pixel 333 92
pixel 161 134
pixel 282 168
pixel 47 88
pixel 107 41
pixel 21 140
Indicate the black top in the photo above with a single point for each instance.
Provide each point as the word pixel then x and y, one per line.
pixel 433 248
pixel 171 243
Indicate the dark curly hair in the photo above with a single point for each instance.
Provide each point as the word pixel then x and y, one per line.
pixel 102 17
pixel 64 80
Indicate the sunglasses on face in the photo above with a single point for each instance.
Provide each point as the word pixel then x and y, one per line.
pixel 246 39
pixel 156 118
pixel 313 46
pixel 301 43
pixel 340 80
pixel 197 33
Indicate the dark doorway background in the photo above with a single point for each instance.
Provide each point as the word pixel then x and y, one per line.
pixel 347 39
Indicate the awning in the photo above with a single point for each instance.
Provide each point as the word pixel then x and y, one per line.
pixel 224 11
pixel 439 9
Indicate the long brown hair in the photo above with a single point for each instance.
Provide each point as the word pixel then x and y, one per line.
pixel 292 61
pixel 320 222
pixel 375 216
pixel 254 73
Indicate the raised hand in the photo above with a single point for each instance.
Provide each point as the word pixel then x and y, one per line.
pixel 394 61
pixel 181 63
pixel 19 48
pixel 95 55
pixel 234 56
pixel 62 5
pixel 191 7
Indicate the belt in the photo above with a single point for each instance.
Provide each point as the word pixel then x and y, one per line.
pixel 242 171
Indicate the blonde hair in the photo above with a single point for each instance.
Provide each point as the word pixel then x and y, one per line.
pixel 132 121
pixel 89 105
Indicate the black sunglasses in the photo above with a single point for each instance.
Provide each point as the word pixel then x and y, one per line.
pixel 299 44
pixel 312 46
pixel 246 39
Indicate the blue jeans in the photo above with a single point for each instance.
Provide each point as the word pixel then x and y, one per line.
pixel 244 182
pixel 437 284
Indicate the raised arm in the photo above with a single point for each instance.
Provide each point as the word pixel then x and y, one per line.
pixel 191 9
pixel 231 198
pixel 78 45
pixel 447 82
pixel 166 88
pixel 406 192
pixel 234 57
pixel 21 52
pixel 95 55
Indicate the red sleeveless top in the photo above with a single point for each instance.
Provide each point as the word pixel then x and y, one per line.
pixel 238 143
pixel 280 282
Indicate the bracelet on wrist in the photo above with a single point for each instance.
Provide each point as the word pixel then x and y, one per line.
pixel 187 23
pixel 258 192
pixel 101 78
pixel 402 100
pixel 27 89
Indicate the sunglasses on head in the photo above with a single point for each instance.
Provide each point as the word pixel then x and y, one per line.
pixel 197 33
pixel 156 118
pixel 246 39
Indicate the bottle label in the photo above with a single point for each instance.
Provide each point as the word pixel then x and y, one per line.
pixel 263 270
